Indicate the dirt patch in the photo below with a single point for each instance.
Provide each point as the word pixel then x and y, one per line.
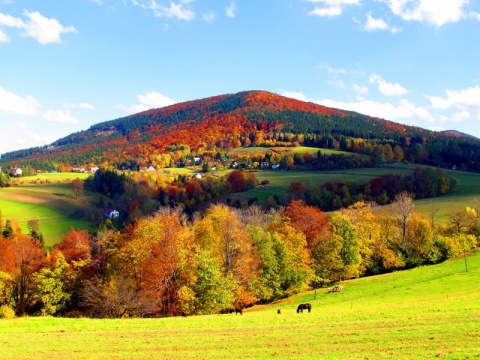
pixel 27 198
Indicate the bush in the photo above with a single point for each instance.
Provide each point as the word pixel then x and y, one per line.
pixel 7 312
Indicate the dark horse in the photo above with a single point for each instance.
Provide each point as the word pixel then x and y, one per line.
pixel 302 307
pixel 238 311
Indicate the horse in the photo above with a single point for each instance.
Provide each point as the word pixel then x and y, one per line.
pixel 302 307
pixel 238 311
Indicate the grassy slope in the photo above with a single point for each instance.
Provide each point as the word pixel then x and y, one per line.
pixel 282 150
pixel 468 184
pixel 51 203
pixel 422 313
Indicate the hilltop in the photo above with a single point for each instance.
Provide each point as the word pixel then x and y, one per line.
pixel 247 118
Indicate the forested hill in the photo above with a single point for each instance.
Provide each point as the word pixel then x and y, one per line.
pixel 242 119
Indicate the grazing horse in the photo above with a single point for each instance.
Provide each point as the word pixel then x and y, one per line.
pixel 302 307
pixel 238 311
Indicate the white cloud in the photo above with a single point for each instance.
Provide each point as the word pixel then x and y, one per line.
pixel 360 89
pixel 27 140
pixel 59 117
pixel 40 28
pixel 434 12
pixel 3 37
pixel 148 100
pixel 20 124
pixel 10 21
pixel 334 71
pixel 12 103
pixel 437 128
pixel 400 113
pixel 331 8
pixel 374 24
pixel 474 15
pixel 85 106
pixel 155 99
pixel 231 11
pixel 387 88
pixel 209 17
pixel 295 95
pixel 460 99
pixel 180 10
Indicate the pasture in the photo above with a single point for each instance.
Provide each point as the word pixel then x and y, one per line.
pixel 47 198
pixel 423 313
pixel 259 150
pixel 279 181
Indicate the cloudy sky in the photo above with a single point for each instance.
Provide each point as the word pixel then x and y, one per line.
pixel 65 65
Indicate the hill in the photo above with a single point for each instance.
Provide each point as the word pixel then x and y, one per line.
pixel 247 118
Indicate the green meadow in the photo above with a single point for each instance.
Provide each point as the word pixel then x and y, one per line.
pixel 424 313
pixel 279 181
pixel 251 150
pixel 47 198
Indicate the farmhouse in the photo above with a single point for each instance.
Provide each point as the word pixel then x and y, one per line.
pixel 16 172
pixel 111 213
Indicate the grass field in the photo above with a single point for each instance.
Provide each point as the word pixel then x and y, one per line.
pixel 46 197
pixel 424 313
pixel 279 181
pixel 284 149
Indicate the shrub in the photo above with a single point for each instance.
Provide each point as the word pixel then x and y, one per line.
pixel 7 312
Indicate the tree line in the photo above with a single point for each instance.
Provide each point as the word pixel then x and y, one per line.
pixel 168 263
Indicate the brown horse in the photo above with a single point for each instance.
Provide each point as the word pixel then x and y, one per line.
pixel 238 311
pixel 302 307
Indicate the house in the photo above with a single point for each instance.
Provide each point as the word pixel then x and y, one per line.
pixel 78 169
pixel 198 175
pixel 16 171
pixel 111 213
pixel 275 166
pixel 93 169
pixel 151 168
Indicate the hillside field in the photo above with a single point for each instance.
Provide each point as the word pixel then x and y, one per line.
pixel 425 313
pixel 279 181
pixel 46 197
pixel 260 150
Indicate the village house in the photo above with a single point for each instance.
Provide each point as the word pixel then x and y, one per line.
pixel 16 171
pixel 111 213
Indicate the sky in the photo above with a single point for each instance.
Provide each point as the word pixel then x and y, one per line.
pixel 66 65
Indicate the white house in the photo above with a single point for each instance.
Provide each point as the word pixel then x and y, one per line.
pixel 16 171
pixel 111 213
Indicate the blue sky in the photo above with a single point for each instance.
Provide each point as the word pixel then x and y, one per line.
pixel 65 65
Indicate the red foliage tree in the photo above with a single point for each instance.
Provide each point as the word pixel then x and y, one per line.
pixel 309 220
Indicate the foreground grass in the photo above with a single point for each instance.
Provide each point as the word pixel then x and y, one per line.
pixel 417 314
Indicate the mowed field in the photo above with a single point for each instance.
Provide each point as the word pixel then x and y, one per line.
pixel 424 313
pixel 47 198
